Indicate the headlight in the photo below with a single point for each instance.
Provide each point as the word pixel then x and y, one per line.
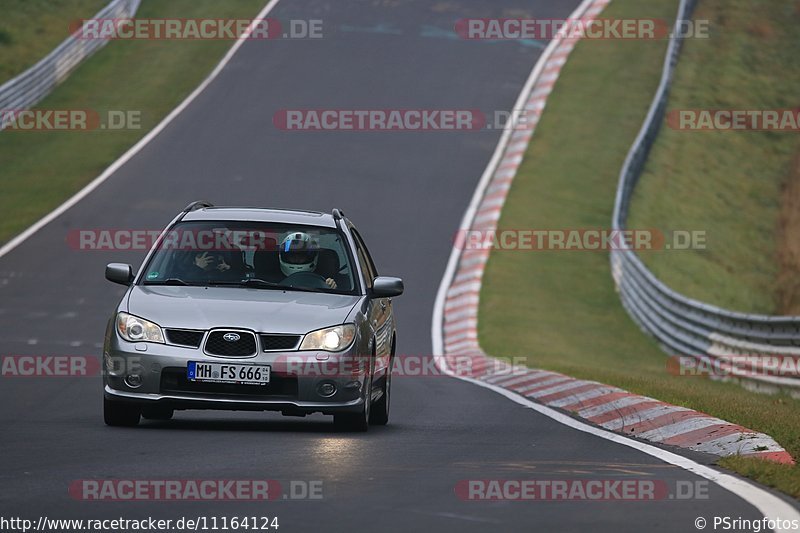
pixel 135 329
pixel 333 339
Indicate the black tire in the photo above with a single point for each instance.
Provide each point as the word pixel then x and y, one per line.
pixel 157 413
pixel 379 415
pixel 120 414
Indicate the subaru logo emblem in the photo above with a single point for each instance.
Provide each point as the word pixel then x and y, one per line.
pixel 231 337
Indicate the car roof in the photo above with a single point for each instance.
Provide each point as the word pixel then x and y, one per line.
pixel 262 214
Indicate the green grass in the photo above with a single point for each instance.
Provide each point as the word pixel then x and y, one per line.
pixel 560 309
pixel 30 29
pixel 726 183
pixel 41 169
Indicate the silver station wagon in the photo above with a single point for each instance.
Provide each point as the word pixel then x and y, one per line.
pixel 252 309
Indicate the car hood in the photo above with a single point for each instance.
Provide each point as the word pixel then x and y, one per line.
pixel 261 310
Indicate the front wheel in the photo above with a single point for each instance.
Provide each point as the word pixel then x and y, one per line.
pixel 120 414
pixel 379 415
pixel 380 411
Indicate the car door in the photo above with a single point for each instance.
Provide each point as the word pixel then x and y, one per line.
pixel 379 309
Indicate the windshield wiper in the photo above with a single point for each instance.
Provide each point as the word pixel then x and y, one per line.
pixel 272 285
pixel 246 282
pixel 217 282
pixel 261 284
pixel 168 281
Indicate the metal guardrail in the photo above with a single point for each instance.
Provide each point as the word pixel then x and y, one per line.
pixel 30 87
pixel 681 325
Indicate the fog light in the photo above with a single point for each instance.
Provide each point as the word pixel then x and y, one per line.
pixel 326 389
pixel 133 380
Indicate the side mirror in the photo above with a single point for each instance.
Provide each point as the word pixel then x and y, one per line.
pixel 386 287
pixel 119 273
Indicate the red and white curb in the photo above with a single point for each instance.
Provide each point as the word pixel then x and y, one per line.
pixel 618 410
pixel 609 407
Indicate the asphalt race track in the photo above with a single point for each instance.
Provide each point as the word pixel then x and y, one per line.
pixel 406 192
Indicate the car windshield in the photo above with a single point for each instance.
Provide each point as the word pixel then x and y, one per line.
pixel 253 255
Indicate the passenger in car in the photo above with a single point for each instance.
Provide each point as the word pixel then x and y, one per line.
pixel 220 265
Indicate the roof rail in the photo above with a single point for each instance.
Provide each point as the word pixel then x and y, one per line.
pixel 194 206
pixel 337 215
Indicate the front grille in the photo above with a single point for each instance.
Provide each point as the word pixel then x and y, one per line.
pixel 243 347
pixel 174 380
pixel 279 342
pixel 185 337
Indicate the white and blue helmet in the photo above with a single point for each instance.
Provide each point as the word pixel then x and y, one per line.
pixel 298 253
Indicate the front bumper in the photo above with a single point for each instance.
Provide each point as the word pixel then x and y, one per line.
pixel 293 388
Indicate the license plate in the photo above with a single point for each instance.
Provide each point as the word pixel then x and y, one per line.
pixel 242 374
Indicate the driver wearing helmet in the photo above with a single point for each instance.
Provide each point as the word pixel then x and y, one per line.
pixel 300 253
